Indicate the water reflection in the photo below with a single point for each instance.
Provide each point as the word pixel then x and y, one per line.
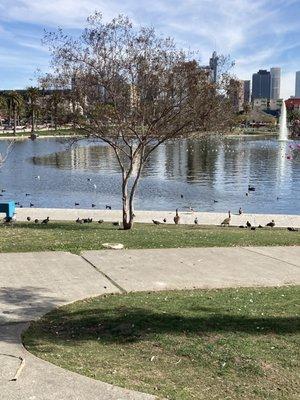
pixel 213 175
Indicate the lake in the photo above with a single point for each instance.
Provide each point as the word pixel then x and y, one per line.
pixel 211 174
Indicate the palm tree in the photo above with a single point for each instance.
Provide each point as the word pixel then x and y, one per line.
pixel 15 101
pixel 32 94
pixel 3 107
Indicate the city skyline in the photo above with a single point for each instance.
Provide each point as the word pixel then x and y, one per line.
pixel 193 24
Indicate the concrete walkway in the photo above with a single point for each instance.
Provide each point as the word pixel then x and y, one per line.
pixel 186 217
pixel 34 283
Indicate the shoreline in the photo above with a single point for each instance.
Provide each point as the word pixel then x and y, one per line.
pixel 186 217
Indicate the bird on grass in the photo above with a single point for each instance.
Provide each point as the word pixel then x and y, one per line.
pixel 227 220
pixel 253 228
pixel 116 223
pixel 248 224
pixel 177 217
pixel 45 221
pixel 292 229
pixel 260 226
pixel 100 221
pixel 241 226
pixel 28 219
pixel 79 221
pixel 87 220
pixel 36 221
pixel 271 224
pixel 155 222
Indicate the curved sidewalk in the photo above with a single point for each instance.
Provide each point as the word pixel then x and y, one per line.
pixel 34 283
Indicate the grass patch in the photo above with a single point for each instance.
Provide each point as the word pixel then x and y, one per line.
pixel 69 236
pixel 202 344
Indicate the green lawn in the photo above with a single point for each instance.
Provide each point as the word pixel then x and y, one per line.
pixel 69 236
pixel 203 344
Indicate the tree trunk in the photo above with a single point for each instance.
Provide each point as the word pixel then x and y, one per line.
pixel 32 121
pixel 15 120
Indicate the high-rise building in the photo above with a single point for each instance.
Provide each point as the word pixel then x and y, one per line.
pixel 246 91
pixel 297 88
pixel 261 85
pixel 275 83
pixel 213 63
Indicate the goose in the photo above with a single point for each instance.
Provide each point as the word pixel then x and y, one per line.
pixel 253 228
pixel 28 219
pixel 165 220
pixel 241 226
pixel 89 179
pixel 31 204
pixel 292 229
pixel 260 226
pixel 177 217
pixel 27 194
pixel 155 222
pixel 100 221
pixel 108 207
pixel 240 211
pixel 181 196
pixel 251 188
pixel 45 221
pixel 3 190
pixel 76 204
pixel 248 224
pixel 116 223
pixel 271 224
pixel 79 221
pixel 227 220
pixel 196 221
pixel 93 205
pixel 216 201
pixel 36 221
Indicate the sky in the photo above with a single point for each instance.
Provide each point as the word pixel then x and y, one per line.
pixel 256 34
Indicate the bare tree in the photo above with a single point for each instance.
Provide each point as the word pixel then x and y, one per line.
pixel 134 90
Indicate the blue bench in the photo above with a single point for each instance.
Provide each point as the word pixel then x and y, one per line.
pixel 8 208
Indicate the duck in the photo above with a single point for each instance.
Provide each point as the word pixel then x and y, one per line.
pixel 156 222
pixel 45 221
pixel 248 224
pixel 165 220
pixel 181 196
pixel 31 204
pixel 36 221
pixel 93 205
pixel 196 221
pixel 3 190
pixel 28 219
pixel 108 207
pixel 251 188
pixel 271 224
pixel 76 204
pixel 216 201
pixel 27 194
pixel 227 220
pixel 177 217
pixel 241 226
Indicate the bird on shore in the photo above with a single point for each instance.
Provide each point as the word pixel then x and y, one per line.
pixel 177 217
pixel 165 220
pixel 271 224
pixel 45 221
pixel 156 222
pixel 292 229
pixel 108 207
pixel 248 224
pixel 196 221
pixel 87 220
pixel 260 226
pixel 28 219
pixel 227 220
pixel 31 204
pixel 100 221
pixel 240 211
pixel 36 221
